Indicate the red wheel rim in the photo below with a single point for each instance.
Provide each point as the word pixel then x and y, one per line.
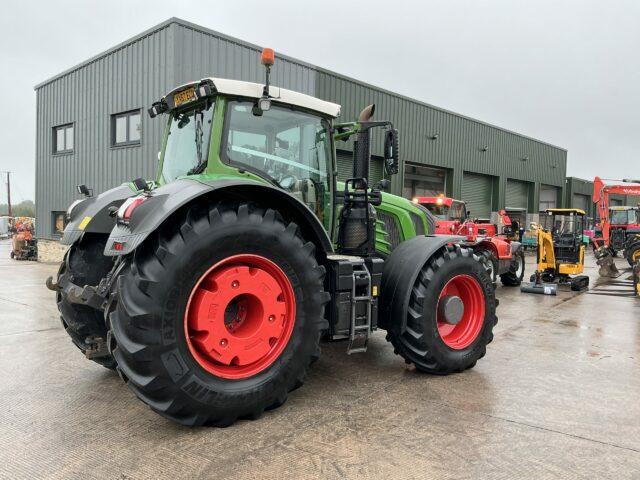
pixel 240 316
pixel 463 333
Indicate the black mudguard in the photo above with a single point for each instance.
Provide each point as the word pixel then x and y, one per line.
pixel 401 270
pixel 167 199
pixel 515 246
pixel 92 214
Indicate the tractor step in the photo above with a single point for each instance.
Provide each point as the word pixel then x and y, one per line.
pixel 361 300
pixel 354 285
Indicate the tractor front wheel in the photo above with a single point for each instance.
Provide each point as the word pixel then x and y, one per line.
pixel 451 314
pixel 490 264
pixel 220 314
pixel 514 276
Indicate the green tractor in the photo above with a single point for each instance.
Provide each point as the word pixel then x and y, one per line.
pixel 210 288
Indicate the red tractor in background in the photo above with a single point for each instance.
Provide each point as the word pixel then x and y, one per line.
pixel 619 228
pixel 623 222
pixel 497 247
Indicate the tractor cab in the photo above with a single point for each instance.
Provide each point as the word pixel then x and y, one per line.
pixel 623 216
pixel 265 134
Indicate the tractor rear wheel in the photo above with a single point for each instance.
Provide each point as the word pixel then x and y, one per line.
pixel 450 316
pixel 219 315
pixel 85 325
pixel 514 276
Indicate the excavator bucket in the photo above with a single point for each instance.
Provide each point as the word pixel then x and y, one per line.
pixel 607 264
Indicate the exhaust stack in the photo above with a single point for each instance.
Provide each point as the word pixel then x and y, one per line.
pixel 362 147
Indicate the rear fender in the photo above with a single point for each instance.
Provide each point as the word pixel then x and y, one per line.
pixel 168 199
pixel 401 270
pixel 92 215
pixel 503 249
pixel 515 246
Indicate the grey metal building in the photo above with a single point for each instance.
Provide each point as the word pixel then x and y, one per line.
pixel 92 127
pixel 579 194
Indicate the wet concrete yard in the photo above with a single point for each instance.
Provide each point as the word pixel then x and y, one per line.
pixel 557 396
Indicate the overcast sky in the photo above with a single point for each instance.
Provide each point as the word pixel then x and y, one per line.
pixel 566 72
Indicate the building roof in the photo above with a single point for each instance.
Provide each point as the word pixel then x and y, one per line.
pixel 184 23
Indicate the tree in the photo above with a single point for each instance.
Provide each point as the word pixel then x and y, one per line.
pixel 23 209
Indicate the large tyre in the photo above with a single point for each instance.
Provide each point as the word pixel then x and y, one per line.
pixel 88 265
pixel 429 340
pixel 490 264
pixel 514 276
pixel 632 250
pixel 219 315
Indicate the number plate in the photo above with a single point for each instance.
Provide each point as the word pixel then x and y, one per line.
pixel 184 96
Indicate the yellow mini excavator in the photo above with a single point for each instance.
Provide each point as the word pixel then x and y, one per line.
pixel 561 248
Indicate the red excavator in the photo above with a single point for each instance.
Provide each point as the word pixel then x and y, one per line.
pixel 619 228
pixel 500 254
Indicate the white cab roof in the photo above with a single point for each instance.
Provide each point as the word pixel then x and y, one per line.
pixel 254 90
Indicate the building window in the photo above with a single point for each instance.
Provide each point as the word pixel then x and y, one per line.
pixel 126 128
pixel 58 222
pixel 63 139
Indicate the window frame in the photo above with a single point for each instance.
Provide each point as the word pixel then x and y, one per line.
pixel 331 172
pixel 54 138
pixel 54 214
pixel 127 115
pixel 213 104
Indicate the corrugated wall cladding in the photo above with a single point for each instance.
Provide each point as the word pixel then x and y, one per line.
pixel 460 142
pixel 579 185
pixel 142 69
pixel 129 78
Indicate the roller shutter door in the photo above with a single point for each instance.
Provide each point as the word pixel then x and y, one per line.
pixel 477 193
pixel 423 181
pixel 345 167
pixel 581 201
pixel 517 194
pixel 548 197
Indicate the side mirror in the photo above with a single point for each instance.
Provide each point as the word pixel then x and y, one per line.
pixel 140 184
pixel 468 214
pixel 84 190
pixel 391 157
pixel 384 184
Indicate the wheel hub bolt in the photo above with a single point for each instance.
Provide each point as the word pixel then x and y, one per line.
pixel 272 318
pixel 235 284
pixel 223 342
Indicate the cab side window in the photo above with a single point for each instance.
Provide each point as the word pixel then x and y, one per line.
pixel 287 147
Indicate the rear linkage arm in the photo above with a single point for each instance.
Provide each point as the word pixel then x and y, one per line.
pixel 93 296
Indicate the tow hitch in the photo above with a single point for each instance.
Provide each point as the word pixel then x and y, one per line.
pixel 86 295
